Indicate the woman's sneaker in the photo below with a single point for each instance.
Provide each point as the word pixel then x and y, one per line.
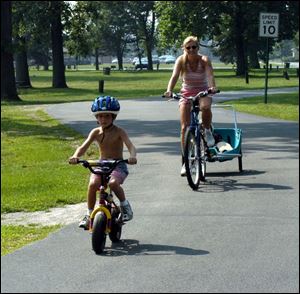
pixel 126 211
pixel 85 222
pixel 209 138
pixel 183 171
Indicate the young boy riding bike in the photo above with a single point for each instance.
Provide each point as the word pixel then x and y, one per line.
pixel 110 139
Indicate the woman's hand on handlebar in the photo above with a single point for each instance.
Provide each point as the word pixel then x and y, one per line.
pixel 168 94
pixel 73 160
pixel 132 160
pixel 213 90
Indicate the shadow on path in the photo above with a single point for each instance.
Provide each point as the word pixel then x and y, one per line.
pixel 222 183
pixel 133 247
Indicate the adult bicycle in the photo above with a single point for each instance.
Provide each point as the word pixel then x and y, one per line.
pixel 196 151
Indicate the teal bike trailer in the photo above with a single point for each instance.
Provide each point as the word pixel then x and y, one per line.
pixel 228 142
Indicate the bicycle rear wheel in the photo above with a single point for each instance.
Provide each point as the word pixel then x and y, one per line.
pixel 116 228
pixel 192 159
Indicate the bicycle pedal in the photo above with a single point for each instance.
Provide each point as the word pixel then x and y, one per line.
pixel 119 220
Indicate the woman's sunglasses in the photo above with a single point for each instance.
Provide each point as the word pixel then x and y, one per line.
pixel 189 47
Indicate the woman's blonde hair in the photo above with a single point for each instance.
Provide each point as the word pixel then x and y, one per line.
pixel 188 40
pixel 184 59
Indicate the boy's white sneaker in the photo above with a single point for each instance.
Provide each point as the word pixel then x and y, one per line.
pixel 85 222
pixel 126 211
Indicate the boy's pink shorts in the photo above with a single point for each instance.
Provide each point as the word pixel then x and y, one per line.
pixel 120 173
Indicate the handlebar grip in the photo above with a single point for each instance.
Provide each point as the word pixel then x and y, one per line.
pixel 213 92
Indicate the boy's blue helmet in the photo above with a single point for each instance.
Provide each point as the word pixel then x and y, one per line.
pixel 105 104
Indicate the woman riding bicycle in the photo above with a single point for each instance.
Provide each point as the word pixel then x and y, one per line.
pixel 197 75
pixel 110 140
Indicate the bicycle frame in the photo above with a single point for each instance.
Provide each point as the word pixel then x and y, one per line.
pixel 106 198
pixel 195 124
pixel 195 149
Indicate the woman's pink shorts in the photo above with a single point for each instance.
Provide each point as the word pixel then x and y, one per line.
pixel 191 92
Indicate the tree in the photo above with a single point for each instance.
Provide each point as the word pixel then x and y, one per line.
pixel 20 11
pixel 78 39
pixel 143 12
pixel 110 27
pixel 232 25
pixel 58 78
pixel 8 82
pixel 179 19
pixel 22 70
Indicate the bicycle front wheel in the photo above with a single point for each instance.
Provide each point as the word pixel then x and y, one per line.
pixel 202 154
pixel 192 159
pixel 98 234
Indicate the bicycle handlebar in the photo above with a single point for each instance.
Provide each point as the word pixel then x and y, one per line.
pixel 106 166
pixel 177 96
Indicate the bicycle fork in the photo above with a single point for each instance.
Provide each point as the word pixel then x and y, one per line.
pixel 104 196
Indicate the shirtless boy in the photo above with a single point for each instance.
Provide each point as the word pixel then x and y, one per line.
pixel 110 139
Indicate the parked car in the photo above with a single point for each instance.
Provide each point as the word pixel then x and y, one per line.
pixel 170 59
pixel 162 58
pixel 125 60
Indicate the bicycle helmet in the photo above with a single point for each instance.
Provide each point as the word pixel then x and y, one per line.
pixel 105 104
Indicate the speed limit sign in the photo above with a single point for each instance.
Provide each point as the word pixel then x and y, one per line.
pixel 268 24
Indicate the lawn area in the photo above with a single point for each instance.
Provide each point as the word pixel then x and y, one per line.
pixel 279 106
pixel 15 237
pixel 84 85
pixel 35 173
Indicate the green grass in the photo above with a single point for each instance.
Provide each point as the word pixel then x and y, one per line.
pixel 35 148
pixel 35 173
pixel 15 237
pixel 83 84
pixel 278 106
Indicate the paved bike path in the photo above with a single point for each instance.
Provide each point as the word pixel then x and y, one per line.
pixel 238 233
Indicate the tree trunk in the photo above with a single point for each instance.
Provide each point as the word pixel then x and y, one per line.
pixel 253 59
pixel 120 58
pixel 8 82
pixel 96 58
pixel 239 41
pixel 46 63
pixel 22 72
pixel 58 77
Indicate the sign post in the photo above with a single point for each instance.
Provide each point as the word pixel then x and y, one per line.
pixel 268 27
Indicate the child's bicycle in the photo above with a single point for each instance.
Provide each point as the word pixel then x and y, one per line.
pixel 106 219
pixel 196 152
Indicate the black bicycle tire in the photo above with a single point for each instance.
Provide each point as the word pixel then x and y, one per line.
pixel 202 148
pixel 240 161
pixel 98 233
pixel 194 184
pixel 116 228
